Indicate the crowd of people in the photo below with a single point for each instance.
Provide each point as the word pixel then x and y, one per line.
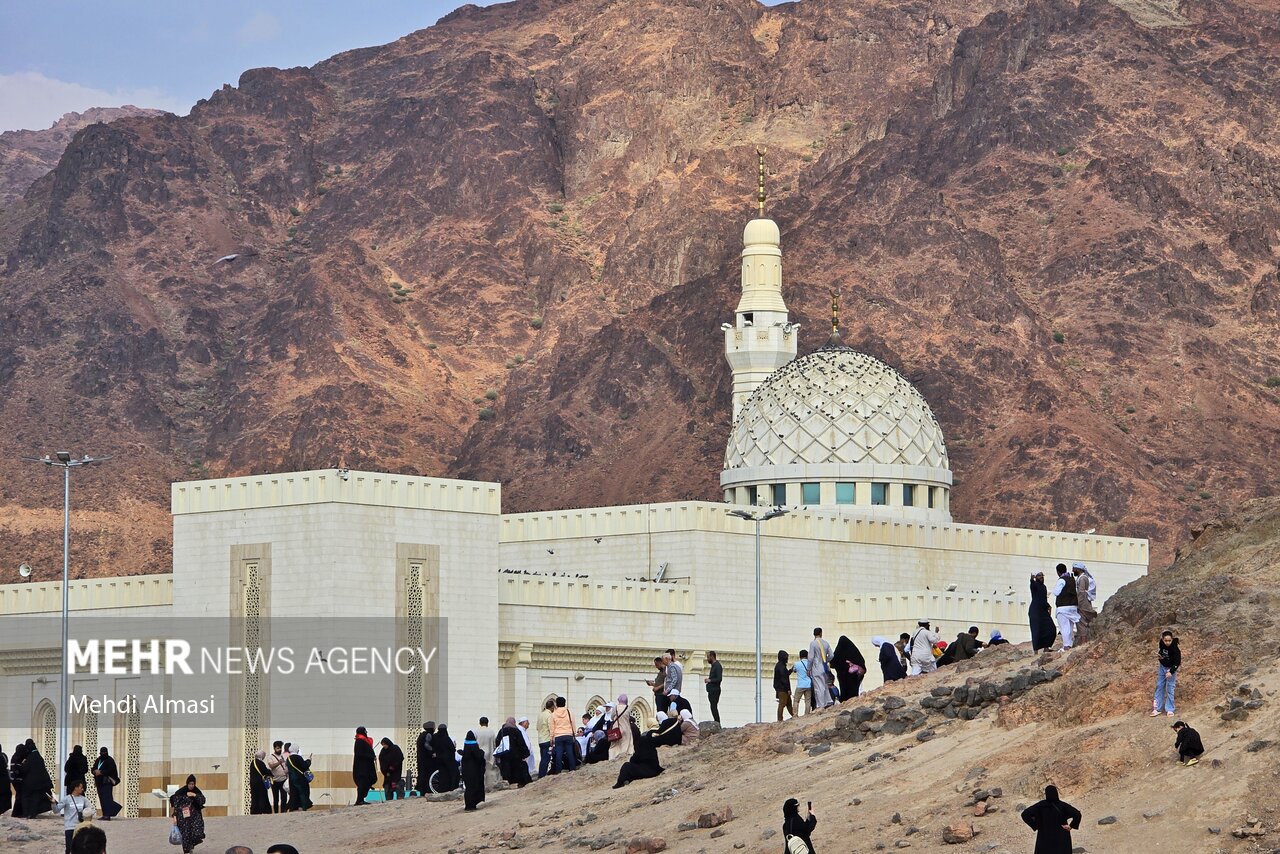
pixel 520 751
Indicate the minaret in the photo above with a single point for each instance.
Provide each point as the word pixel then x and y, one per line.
pixel 762 339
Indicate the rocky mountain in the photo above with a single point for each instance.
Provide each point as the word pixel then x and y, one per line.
pixel 502 247
pixel 25 155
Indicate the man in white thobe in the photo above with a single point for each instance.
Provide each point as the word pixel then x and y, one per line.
pixel 921 644
pixel 819 667
pixel 485 738
pixel 523 723
pixel 1065 601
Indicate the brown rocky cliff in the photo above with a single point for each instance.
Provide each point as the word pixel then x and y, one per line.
pixel 545 200
pixel 25 155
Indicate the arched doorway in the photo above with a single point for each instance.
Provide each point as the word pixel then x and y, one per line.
pixel 45 725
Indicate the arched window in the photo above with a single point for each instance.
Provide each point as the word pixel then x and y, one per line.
pixel 46 727
pixel 594 705
pixel 642 714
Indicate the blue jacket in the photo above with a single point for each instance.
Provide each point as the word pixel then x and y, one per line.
pixel 803 682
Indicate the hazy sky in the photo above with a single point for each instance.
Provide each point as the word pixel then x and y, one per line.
pixel 57 56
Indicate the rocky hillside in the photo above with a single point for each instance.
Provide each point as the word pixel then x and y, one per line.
pixel 26 155
pixel 502 248
pixel 941 763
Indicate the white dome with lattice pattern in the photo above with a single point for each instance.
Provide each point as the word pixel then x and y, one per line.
pixel 837 416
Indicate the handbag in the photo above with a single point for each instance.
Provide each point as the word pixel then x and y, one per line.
pixel 175 835
pixel 796 845
pixel 310 777
pixel 614 733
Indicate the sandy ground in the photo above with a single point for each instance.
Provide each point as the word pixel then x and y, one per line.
pixel 1123 767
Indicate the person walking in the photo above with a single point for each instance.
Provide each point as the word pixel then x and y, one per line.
pixel 15 777
pixel 425 758
pixel 714 677
pixel 564 756
pixel 802 698
pixel 819 669
pixel 364 768
pixel 512 753
pixel 782 684
pixel 75 808
pixel 37 787
pixel 1052 819
pixel 1086 592
pixel 106 778
pixel 891 666
pixel 299 780
pixel 795 827
pixel 1065 606
pixel 850 667
pixel 920 649
pixel 531 758
pixel 473 771
pixel 486 738
pixel 279 776
pixel 446 751
pixel 1040 615
pixel 391 764
pixel 1188 744
pixel 259 784
pixel 188 814
pixel 1170 659
pixel 75 768
pixel 544 736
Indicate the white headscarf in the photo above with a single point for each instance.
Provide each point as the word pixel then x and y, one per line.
pixel 879 641
pixel 662 717
pixel 686 715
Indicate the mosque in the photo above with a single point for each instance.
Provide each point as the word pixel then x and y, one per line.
pixel 521 607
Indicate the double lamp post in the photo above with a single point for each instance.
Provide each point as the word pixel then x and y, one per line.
pixel 758 519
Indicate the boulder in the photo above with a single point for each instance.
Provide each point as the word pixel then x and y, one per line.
pixel 706 728
pixel 956 834
pixel 892 703
pixel 646 845
pixel 715 818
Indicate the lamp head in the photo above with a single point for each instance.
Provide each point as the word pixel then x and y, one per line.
pixel 773 514
pixel 741 514
pixel 64 456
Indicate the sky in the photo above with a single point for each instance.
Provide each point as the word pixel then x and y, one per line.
pixel 57 56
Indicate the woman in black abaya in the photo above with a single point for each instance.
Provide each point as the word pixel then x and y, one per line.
pixel 1043 631
pixel 849 666
pixel 472 772
pixel 643 763
pixel 106 778
pixel 15 777
pixel 446 762
pixel 37 788
pixel 6 799
pixel 1053 820
pixel 259 785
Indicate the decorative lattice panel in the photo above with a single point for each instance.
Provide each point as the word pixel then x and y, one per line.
pixel 641 714
pixel 90 745
pixel 49 743
pixel 252 629
pixel 594 704
pixel 414 617
pixel 133 760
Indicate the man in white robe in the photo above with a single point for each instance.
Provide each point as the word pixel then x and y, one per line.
pixel 921 646
pixel 485 738
pixel 523 723
pixel 819 668
pixel 1065 610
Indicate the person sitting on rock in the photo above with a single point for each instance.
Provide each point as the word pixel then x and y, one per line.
pixel 1188 744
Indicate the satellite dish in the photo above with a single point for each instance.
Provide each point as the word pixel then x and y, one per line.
pixel 25 570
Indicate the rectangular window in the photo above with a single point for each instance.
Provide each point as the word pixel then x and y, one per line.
pixel 779 495
pixel 812 493
pixel 879 493
pixel 751 495
pixel 932 490
pixel 908 495
pixel 844 493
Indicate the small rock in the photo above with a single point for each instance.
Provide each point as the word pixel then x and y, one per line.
pixel 739 845
pixel 1107 820
pixel 892 703
pixel 924 735
pixel 1255 746
pixel 975 772
pixel 646 845
pixel 769 833
pixel 902 843
pixel 686 826
pixel 997 792
pixel 784 747
pixel 896 818
pixel 1215 830
pixel 913 830
pixel 1153 813
pixel 980 808
pixel 1216 763
pixel 955 834
pixel 715 818
pixel 819 749
pixel 717 833
pixel 980 795
pixel 855 802
pixel 1237 714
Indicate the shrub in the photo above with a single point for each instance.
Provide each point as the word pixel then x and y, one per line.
pixel 555 207
pixel 748 117
pixel 535 322
pixel 491 394
pixel 846 126
pixel 1204 495
pixel 1130 409
pixel 337 170
pixel 510 364
pixel 807 158
pixel 477 400
pixel 1062 150
pixel 433 345
pixel 322 190
pixel 487 414
pixel 518 359
pixel 293 211
pixel 293 231
pixel 1272 382
pixel 1058 337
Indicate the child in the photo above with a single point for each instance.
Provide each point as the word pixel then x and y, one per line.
pixel 1188 744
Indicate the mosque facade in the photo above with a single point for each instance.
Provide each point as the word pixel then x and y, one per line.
pixel 524 606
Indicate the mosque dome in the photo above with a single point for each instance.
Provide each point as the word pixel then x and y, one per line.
pixel 838 427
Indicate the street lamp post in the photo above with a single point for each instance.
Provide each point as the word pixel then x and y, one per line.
pixel 751 517
pixel 64 461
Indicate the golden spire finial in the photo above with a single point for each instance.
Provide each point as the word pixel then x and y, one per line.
pixel 835 318
pixel 760 150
